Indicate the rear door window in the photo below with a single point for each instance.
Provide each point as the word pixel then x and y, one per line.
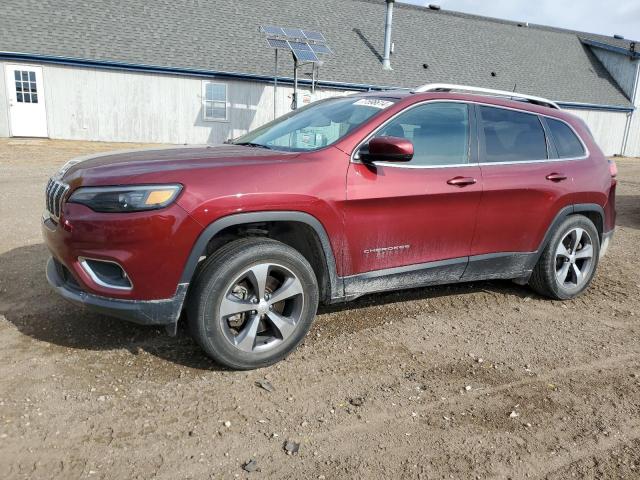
pixel 566 142
pixel 511 136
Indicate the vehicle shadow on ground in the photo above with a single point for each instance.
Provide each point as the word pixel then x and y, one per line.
pixel 27 301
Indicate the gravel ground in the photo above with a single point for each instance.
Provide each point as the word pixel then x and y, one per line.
pixel 481 380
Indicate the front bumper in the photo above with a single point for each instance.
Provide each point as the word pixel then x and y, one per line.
pixel 144 312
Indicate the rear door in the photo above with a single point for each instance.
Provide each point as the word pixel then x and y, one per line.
pixel 525 184
pixel 403 214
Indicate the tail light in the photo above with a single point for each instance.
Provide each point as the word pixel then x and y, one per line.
pixel 613 169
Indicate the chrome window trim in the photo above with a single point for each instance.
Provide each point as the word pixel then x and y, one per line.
pixel 353 158
pixel 584 146
pixel 88 270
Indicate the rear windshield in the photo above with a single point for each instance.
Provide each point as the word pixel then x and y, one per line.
pixel 317 125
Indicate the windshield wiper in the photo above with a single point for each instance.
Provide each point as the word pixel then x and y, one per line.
pixel 255 145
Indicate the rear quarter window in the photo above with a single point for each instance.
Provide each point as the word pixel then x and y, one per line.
pixel 567 143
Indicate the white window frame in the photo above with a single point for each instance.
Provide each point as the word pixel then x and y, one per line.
pixel 205 102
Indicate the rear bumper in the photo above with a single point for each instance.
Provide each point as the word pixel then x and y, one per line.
pixel 144 312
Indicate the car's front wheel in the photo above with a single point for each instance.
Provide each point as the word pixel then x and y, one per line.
pixel 568 263
pixel 252 303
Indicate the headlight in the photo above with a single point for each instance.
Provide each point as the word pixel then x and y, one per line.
pixel 126 198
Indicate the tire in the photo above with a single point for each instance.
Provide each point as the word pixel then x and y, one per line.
pixel 566 261
pixel 275 292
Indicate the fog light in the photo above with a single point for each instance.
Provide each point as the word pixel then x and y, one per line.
pixel 106 273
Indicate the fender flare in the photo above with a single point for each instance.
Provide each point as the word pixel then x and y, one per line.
pixel 336 290
pixel 559 218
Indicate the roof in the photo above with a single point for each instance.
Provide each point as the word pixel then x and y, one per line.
pixel 222 35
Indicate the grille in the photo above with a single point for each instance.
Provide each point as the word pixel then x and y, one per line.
pixel 54 196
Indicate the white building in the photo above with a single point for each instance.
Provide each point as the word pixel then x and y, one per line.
pixel 201 72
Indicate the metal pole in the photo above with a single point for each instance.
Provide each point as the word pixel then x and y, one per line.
pixel 275 88
pixel 313 78
pixel 294 103
pixel 386 58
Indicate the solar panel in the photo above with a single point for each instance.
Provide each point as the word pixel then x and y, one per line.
pixel 317 36
pixel 271 30
pixel 300 46
pixel 293 32
pixel 317 48
pixel 277 43
pixel 306 56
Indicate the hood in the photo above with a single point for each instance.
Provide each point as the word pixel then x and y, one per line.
pixel 147 165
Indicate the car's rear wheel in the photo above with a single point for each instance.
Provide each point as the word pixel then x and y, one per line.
pixel 568 264
pixel 252 303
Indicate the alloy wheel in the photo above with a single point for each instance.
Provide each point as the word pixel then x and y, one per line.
pixel 574 258
pixel 261 307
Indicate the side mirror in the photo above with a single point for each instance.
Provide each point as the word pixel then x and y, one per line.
pixel 387 149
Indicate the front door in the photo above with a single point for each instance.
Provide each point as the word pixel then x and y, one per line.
pixel 418 215
pixel 27 112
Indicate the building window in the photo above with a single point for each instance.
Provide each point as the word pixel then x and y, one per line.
pixel 214 101
pixel 26 89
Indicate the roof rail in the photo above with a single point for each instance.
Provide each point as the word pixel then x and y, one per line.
pixel 448 87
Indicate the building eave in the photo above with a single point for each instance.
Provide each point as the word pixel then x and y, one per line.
pixel 191 72
pixel 611 48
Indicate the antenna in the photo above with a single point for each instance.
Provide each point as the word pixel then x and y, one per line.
pixel 305 47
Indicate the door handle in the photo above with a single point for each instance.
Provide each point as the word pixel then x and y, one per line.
pixel 556 177
pixel 461 181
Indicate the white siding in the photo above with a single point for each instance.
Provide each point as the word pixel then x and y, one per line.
pixel 4 104
pixel 632 148
pixel 621 67
pixel 633 142
pixel 94 104
pixel 607 128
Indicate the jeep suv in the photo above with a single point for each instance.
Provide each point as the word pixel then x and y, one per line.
pixel 345 197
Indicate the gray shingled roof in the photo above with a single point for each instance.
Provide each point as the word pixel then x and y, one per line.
pixel 222 35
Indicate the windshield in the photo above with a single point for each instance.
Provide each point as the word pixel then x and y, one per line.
pixel 315 126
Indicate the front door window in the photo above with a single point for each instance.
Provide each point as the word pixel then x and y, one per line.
pixel 26 87
pixel 439 132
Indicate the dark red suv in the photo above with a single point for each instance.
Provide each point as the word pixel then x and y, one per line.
pixel 345 197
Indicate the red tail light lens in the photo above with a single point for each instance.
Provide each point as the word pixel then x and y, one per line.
pixel 613 169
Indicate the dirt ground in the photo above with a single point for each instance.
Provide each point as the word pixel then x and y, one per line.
pixel 481 380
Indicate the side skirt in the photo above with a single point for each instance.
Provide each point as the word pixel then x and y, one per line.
pixel 508 265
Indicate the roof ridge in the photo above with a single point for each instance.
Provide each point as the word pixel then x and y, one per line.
pixel 504 21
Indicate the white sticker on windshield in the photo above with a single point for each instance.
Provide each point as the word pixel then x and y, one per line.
pixel 374 102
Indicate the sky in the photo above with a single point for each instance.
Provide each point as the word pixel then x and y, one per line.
pixel 596 16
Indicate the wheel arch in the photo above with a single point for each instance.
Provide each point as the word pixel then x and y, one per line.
pixel 592 211
pixel 325 266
